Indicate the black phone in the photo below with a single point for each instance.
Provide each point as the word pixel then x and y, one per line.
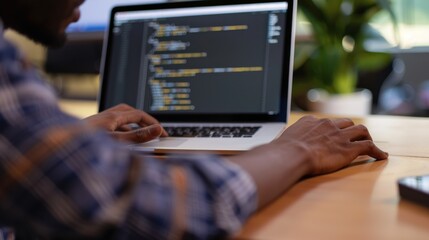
pixel 415 189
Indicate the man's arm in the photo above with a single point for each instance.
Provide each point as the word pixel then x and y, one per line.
pixel 63 178
pixel 309 147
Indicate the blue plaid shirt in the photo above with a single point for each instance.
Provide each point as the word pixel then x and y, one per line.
pixel 60 178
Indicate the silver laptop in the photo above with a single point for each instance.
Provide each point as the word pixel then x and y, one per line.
pixel 216 74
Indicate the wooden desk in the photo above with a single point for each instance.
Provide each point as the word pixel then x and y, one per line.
pixel 359 202
pixel 79 108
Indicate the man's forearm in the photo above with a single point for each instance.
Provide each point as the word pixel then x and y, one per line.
pixel 272 170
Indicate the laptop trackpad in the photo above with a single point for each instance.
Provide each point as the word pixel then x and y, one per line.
pixel 164 143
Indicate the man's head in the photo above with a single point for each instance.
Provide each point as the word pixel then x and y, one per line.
pixel 44 21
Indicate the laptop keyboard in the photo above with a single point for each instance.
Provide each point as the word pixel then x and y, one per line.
pixel 212 132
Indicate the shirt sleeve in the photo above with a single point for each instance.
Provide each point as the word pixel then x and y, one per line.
pixel 59 178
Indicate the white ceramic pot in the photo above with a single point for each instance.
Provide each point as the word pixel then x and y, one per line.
pixel 358 103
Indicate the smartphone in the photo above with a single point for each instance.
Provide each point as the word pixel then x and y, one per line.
pixel 415 189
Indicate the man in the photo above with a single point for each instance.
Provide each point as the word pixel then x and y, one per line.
pixel 65 178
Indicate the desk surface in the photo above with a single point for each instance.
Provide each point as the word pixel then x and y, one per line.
pixel 359 202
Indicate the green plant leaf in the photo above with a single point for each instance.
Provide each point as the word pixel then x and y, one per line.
pixel 339 33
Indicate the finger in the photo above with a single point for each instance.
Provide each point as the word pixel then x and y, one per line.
pixel 124 128
pixel 343 122
pixel 119 107
pixel 164 132
pixel 125 114
pixel 124 111
pixel 133 126
pixel 135 116
pixel 140 135
pixel 357 133
pixel 148 133
pixel 369 148
pixel 143 119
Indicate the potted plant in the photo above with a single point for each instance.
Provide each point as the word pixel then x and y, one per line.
pixel 331 60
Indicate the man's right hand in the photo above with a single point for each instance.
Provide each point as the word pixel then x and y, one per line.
pixel 330 144
pixel 309 147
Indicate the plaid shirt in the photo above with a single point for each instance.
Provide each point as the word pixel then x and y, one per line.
pixel 59 178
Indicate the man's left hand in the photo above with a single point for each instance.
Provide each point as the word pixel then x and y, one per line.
pixel 116 120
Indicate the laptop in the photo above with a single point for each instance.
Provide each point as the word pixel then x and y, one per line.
pixel 216 74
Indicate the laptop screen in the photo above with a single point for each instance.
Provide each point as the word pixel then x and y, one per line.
pixel 199 58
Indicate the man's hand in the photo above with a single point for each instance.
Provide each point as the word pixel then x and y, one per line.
pixel 116 120
pixel 330 144
pixel 309 147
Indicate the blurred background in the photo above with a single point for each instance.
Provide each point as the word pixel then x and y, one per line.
pixel 381 46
